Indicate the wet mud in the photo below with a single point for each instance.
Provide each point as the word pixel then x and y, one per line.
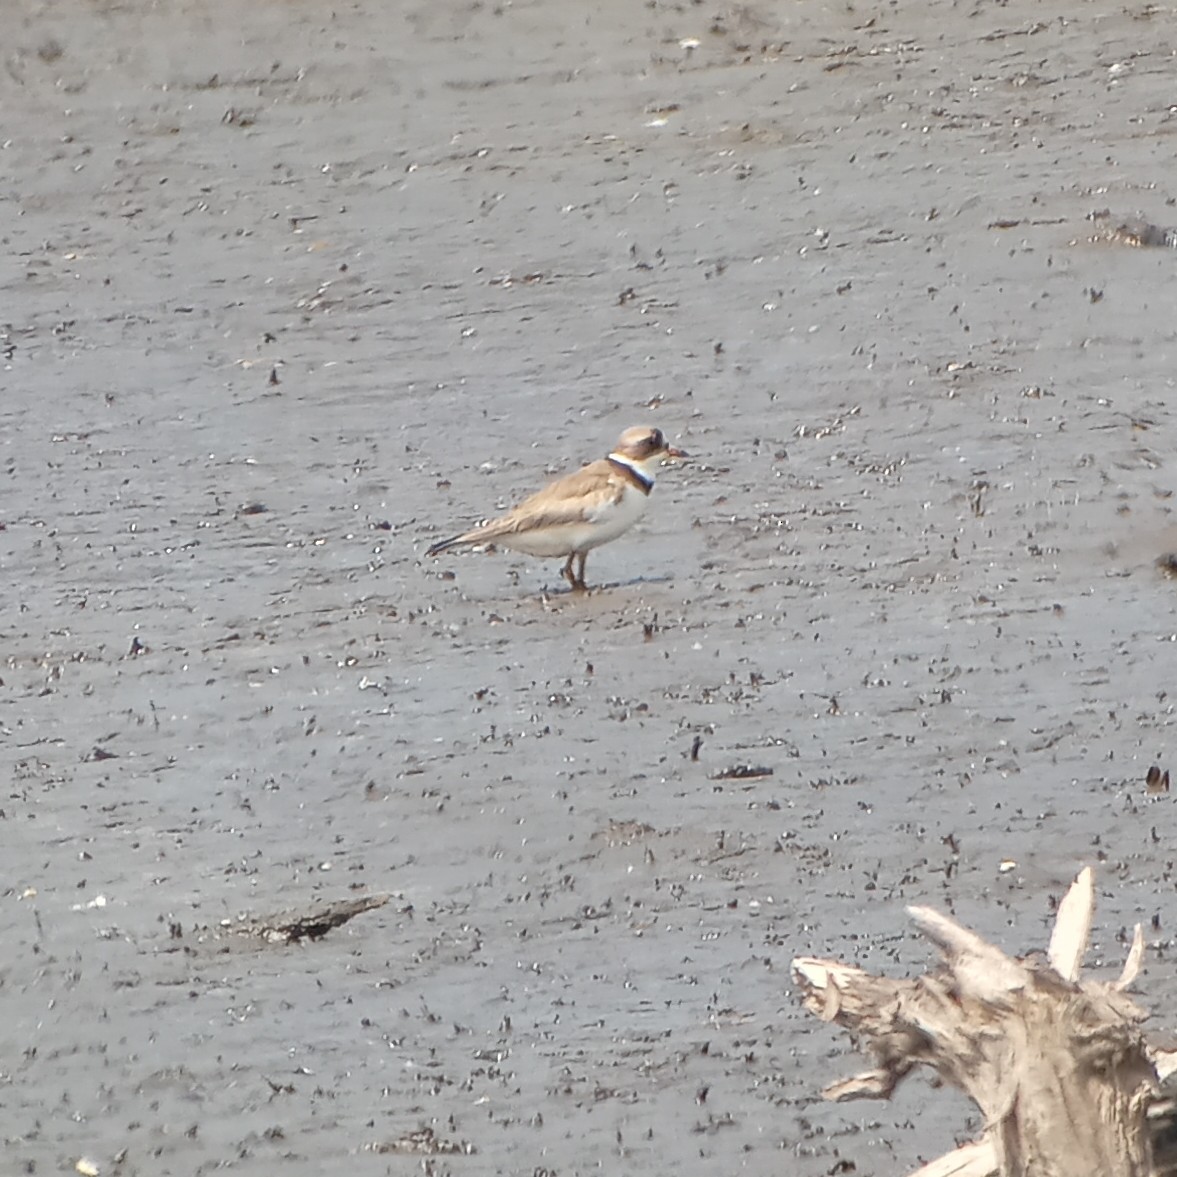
pixel 291 292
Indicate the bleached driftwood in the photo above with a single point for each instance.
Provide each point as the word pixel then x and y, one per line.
pixel 1066 1082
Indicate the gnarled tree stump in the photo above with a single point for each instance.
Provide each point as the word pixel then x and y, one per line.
pixel 1066 1081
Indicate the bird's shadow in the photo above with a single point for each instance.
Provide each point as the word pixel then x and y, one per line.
pixel 594 590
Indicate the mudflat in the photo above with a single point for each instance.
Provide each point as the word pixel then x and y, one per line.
pixel 292 291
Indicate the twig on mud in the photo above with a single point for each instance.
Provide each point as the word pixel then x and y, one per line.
pixel 742 772
pixel 422 1142
pixel 290 927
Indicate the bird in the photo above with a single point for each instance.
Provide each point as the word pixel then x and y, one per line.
pixel 582 510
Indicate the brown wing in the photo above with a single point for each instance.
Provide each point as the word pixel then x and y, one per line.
pixel 574 498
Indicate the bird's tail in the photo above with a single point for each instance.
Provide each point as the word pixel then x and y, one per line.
pixel 441 545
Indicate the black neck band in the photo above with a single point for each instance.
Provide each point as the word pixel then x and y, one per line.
pixel 631 471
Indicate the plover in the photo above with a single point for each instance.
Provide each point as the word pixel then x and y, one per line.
pixel 580 511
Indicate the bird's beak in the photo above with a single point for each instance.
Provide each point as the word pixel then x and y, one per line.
pixel 671 452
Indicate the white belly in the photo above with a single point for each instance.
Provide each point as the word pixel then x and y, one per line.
pixel 612 520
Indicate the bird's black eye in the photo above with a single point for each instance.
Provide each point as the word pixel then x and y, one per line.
pixel 657 441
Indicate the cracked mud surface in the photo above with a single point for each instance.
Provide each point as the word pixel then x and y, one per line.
pixel 290 292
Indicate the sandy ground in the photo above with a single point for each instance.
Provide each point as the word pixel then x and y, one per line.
pixel 291 290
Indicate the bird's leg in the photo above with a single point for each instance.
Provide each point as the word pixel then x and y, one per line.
pixel 566 571
pixel 578 583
